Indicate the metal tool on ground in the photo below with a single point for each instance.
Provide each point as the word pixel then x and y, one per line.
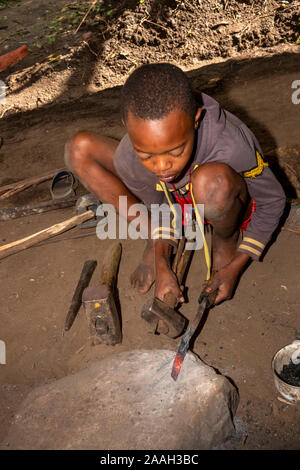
pixel 31 209
pixel 100 302
pixel 84 280
pixel 205 301
pixel 162 316
pixel 86 211
pixel 88 202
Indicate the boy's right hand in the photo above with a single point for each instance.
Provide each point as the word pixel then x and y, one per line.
pixel 166 282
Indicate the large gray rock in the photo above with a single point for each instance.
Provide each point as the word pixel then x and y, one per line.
pixel 129 401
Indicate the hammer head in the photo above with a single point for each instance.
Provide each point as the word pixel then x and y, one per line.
pixel 102 315
pixel 85 203
pixel 155 310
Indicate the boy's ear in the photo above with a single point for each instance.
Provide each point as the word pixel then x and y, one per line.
pixel 197 117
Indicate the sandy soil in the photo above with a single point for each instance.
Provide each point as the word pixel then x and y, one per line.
pixel 239 337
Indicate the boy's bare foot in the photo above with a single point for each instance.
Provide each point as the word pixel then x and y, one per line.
pixel 227 267
pixel 144 275
pixel 223 251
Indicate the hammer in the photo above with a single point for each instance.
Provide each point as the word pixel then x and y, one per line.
pixel 162 316
pixel 99 302
pixel 86 207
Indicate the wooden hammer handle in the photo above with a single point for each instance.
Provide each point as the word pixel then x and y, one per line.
pixel 110 265
pixel 26 242
pixel 180 268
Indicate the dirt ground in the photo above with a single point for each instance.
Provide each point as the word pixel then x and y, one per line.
pixel 48 101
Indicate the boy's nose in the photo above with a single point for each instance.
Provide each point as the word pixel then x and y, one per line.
pixel 162 165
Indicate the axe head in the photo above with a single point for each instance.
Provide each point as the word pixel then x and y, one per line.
pixel 102 315
pixel 155 310
pixel 85 203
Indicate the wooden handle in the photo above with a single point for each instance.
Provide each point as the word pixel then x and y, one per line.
pixel 84 280
pixel 178 255
pixel 13 188
pixel 179 266
pixel 110 265
pixel 26 242
pixel 182 265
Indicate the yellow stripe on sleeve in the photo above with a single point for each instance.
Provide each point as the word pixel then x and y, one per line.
pixel 258 169
pixel 249 248
pixel 160 237
pixel 166 229
pixel 254 242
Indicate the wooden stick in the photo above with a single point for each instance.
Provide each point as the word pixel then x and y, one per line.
pixel 182 263
pixel 30 209
pixel 177 257
pixel 291 230
pixel 14 188
pixel 85 16
pixel 24 243
pixel 84 280
pixel 110 265
pixel 179 267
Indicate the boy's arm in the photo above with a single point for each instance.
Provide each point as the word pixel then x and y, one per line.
pixel 270 201
pixel 240 149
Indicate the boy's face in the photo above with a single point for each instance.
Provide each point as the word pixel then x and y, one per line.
pixel 164 146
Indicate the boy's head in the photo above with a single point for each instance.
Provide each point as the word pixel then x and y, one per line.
pixel 161 114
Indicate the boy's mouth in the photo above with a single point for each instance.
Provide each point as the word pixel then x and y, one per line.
pixel 166 179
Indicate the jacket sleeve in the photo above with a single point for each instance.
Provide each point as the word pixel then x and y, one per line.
pixel 243 153
pixel 270 202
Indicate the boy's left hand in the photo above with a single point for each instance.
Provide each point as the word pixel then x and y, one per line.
pixel 225 278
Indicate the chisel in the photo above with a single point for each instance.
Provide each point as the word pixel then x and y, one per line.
pixel 205 301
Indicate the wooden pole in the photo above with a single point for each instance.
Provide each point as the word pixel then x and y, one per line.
pixel 14 188
pixel 26 242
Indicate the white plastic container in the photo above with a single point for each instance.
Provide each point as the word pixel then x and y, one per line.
pixel 281 358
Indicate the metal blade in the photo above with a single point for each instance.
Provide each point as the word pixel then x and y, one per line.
pixel 177 365
pixel 185 341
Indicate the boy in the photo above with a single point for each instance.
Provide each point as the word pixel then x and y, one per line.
pixel 174 146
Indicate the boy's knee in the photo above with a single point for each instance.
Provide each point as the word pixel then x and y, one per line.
pixel 213 181
pixel 215 185
pixel 76 149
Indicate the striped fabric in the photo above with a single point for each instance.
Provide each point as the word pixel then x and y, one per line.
pixel 252 245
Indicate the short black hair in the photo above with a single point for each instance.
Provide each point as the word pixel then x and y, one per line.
pixel 152 91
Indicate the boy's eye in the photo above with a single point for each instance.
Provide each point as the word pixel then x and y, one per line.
pixel 174 153
pixel 177 153
pixel 145 158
